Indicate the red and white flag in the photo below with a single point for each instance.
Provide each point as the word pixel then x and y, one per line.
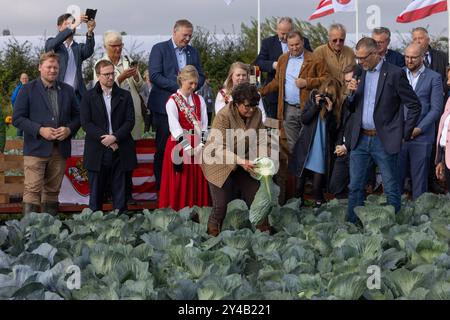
pixel 420 9
pixel 327 7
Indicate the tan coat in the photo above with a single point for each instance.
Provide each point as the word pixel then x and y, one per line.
pixel 313 71
pixel 218 150
pixel 336 63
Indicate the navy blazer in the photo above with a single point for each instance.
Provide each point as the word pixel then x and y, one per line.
pixel 32 111
pixel 163 70
pixel 439 63
pixel 429 92
pixel 394 57
pixel 393 92
pixel 81 52
pixel 94 120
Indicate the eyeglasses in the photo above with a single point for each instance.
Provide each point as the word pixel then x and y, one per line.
pixel 107 75
pixel 336 40
pixel 249 106
pixel 364 58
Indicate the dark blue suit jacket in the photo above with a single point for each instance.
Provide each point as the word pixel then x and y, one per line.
pixel 81 51
pixel 394 57
pixel 163 70
pixel 270 51
pixel 32 111
pixel 393 92
pixel 429 92
pixel 94 119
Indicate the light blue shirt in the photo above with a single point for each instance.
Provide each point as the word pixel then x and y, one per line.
pixel 181 55
pixel 370 94
pixel 413 79
pixel 284 46
pixel 70 76
pixel 291 91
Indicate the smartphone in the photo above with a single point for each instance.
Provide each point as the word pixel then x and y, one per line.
pixel 91 13
pixel 133 64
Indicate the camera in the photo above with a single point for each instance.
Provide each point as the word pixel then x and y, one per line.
pixel 323 100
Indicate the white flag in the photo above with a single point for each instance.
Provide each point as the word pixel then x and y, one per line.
pixel 228 2
pixel 344 5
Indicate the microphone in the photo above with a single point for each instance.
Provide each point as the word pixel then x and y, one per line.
pixel 357 72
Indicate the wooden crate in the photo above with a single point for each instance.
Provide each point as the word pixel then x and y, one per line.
pixel 11 185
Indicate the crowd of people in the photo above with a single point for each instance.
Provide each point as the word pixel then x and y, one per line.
pixel 341 112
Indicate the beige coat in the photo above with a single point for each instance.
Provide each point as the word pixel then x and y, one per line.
pixel 219 149
pixel 336 63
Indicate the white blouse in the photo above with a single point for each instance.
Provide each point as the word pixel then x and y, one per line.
pixel 172 114
pixel 220 103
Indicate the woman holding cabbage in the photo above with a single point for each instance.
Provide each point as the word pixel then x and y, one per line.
pixel 313 150
pixel 233 144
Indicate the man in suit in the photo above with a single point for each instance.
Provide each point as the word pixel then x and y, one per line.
pixel 166 60
pixel 382 36
pixel 72 54
pixel 47 111
pixel 107 116
pixel 378 125
pixel 437 61
pixel 271 49
pixel 298 72
pixel 415 154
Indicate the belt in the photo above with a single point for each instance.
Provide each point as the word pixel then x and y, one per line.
pixel 293 105
pixel 370 133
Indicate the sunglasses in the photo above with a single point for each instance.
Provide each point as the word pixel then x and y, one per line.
pixel 338 40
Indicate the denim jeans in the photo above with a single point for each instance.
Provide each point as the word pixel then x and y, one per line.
pixel 367 151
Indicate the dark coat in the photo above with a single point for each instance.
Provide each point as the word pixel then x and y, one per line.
pixel 270 52
pixel 33 110
pixel 344 129
pixel 439 63
pixel 394 57
pixel 309 118
pixel 163 70
pixel 81 52
pixel 94 120
pixel 393 92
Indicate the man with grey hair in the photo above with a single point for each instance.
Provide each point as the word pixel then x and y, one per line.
pixel 335 53
pixel 382 36
pixel 386 110
pixel 166 60
pixel 271 49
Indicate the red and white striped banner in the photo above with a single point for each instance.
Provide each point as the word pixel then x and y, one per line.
pixel 420 9
pixel 327 7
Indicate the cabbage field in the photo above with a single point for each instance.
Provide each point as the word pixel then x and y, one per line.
pixel 313 254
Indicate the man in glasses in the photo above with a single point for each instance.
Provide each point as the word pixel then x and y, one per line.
pixel 335 53
pixel 107 116
pixel 382 36
pixel 71 53
pixel 271 49
pixel 416 154
pixel 166 60
pixel 386 110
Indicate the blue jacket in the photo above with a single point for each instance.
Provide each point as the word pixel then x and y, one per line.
pixel 163 70
pixel 429 92
pixel 15 93
pixel 33 111
pixel 81 52
pixel 395 57
pixel 393 92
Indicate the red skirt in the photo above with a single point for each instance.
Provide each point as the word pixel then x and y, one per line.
pixel 187 188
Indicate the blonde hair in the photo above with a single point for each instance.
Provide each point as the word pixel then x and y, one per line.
pixel 47 56
pixel 189 72
pixel 110 36
pixel 228 84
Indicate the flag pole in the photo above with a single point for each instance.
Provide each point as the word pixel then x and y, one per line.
pixel 259 26
pixel 357 21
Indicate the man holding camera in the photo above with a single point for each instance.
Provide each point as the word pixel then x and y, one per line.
pixel 72 54
pixel 378 125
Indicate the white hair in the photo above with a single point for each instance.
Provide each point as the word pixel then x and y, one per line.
pixel 110 36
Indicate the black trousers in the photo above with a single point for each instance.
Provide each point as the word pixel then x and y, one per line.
pixel 239 185
pixel 447 178
pixel 340 178
pixel 161 126
pixel 109 178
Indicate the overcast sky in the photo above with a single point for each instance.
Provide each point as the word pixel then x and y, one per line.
pixel 144 17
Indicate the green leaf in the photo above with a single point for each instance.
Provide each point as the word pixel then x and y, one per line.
pixel 347 286
pixel 405 281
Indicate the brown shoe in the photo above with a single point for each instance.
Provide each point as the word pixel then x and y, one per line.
pixel 213 229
